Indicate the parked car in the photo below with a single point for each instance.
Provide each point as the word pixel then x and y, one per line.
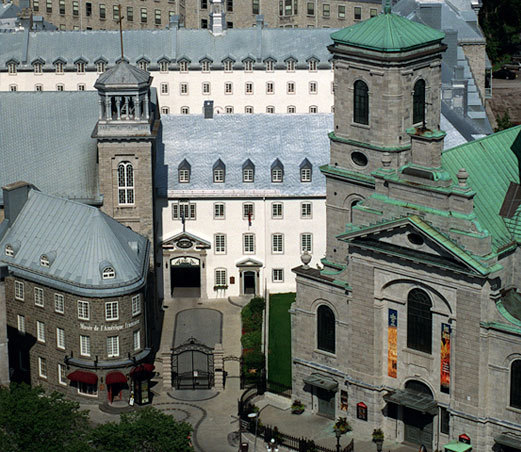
pixel 504 73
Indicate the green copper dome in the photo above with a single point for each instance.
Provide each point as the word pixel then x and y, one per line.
pixel 387 33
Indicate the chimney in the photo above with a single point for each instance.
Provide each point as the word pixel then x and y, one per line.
pixel 450 58
pixel 259 20
pixel 217 18
pixel 15 197
pixel 430 14
pixel 208 109
pixel 174 21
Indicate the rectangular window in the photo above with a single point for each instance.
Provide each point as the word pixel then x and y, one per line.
pixel 373 12
pixel 60 338
pixel 310 9
pixel 136 336
pixel 59 303
pixel 61 375
pixel 102 12
pixel 184 174
pixel 48 6
pixel 248 243
pixel 220 243
pixel 290 65
pixel 270 66
pixel 62 7
pixel 229 5
pixel 444 421
pixel 218 175
pixel 40 331
pixel 83 310
pixel 59 87
pixel 291 87
pixel 248 88
pixel 277 243
pixel 306 242
pixel 183 66
pixel 358 13
pixel 313 87
pixel 36 6
pixel 326 10
pixel 75 8
pixel 184 210
pixel 183 89
pixel 130 13
pixel 277 275
pixel 42 367
pixel 59 67
pixel 276 210
pixel 38 88
pixel 270 88
pixel 38 296
pixel 228 88
pixel 111 310
pixel 255 7
pixel 112 346
pixel 143 15
pixel 37 68
pixel 220 277
pixel 228 109
pixel 218 211
pixel 305 175
pixel 13 88
pixel 136 304
pixel 163 66
pixel 341 11
pixel 206 87
pixel 21 324
pixel 248 175
pixel 164 88
pixel 204 4
pixel 88 390
pixel 157 16
pixel 19 290
pixel 305 210
pixel 88 9
pixel 247 211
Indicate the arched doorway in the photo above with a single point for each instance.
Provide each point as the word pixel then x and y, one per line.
pixel 185 276
pixel 418 426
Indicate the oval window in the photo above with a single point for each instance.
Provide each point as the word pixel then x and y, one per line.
pixel 415 239
pixel 359 159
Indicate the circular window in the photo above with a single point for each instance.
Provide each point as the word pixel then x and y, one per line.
pixel 359 159
pixel 415 239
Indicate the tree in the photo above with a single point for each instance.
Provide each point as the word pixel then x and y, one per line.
pixel 503 122
pixel 31 420
pixel 144 430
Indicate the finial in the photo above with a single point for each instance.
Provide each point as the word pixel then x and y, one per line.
pixel 386 160
pixel 387 7
pixel 306 259
pixel 462 177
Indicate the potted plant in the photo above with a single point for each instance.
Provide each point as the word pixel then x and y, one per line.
pixel 378 438
pixel 297 407
pixel 342 426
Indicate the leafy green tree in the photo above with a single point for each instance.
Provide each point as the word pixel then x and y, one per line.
pixel 503 122
pixel 31 420
pixel 144 430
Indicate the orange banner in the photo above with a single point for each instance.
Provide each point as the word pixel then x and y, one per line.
pixel 392 343
pixel 445 358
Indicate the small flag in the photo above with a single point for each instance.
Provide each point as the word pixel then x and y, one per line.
pixel 249 218
pixel 182 216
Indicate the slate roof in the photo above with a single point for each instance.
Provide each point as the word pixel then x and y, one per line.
pixel 82 240
pixel 45 140
pixel 123 75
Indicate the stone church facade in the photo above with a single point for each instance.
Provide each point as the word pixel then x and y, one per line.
pixel 414 318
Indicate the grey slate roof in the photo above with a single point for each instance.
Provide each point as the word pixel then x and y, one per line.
pixel 45 140
pixel 123 74
pixel 82 240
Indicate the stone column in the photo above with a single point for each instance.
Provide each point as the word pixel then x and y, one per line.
pixel 167 289
pixel 101 107
pixel 127 107
pixel 218 364
pixel 146 106
pixel 118 106
pixel 137 107
pixel 108 108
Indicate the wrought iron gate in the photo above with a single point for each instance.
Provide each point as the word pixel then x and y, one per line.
pixel 192 366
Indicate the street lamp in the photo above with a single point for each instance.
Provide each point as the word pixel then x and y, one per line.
pixel 337 434
pixel 272 446
pixel 256 416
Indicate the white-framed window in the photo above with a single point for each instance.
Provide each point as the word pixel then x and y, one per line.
pixel 218 211
pixel 87 390
pixel 183 209
pixel 125 183
pixel 205 66
pixel 270 88
pixel 276 210
pixel 165 110
pixel 163 66
pixel 44 261
pixel 108 273
pixel 218 175
pixel 38 297
pixel 19 290
pixel 270 109
pixel 60 338
pixel 62 379
pixel 248 243
pixel 81 87
pixel 220 243
pixel 292 109
pixel 183 66
pixel 313 109
pixel 270 65
pixel 101 66
pixel 40 331
pixel 37 68
pixel 277 175
pixel 341 11
pixel 312 65
pixel 38 87
pixel 112 346
pixel 21 323
pixel 228 65
pixel 248 65
pixel 326 10
pixel 164 88
pixel 111 310
pixel 305 174
pixel 248 88
pixel 277 275
pixel 248 211
pixel 306 210
pixel 80 67
pixel 228 109
pixel 136 304
pixel 313 87
pixel 183 88
pixel 9 251
pixel 248 109
pixel 184 176
pixel 306 242
pixel 42 367
pixel 136 339
pixel 11 68
pixel 185 110
pixel 13 88
pixel 144 15
pixel 358 13
pixel 59 303
pixel 373 12
pixel 83 310
pixel 60 87
pixel 248 175
pixel 228 88
pixel 84 345
pixel 220 277
pixel 291 87
pixel 277 243
pixel 206 87
pixel 58 67
pixel 290 65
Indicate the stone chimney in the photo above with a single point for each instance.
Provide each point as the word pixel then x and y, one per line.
pixel 217 17
pixel 15 197
pixel 430 14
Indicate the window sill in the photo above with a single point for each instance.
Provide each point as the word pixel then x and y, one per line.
pixel 323 352
pixel 362 126
pixel 513 409
pixel 419 353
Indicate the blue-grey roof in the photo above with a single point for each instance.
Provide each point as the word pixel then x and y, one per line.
pixel 45 139
pixel 80 240
pixel 174 44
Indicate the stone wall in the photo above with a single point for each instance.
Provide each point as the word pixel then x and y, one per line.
pixel 476 56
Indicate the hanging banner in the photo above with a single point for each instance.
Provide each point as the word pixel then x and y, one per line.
pixel 445 358
pixel 392 343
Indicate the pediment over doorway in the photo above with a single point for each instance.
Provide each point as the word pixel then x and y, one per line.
pixel 249 263
pixel 184 241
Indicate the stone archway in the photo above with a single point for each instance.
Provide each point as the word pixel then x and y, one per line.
pixel 185 276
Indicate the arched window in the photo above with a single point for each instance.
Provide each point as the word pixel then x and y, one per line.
pixel 418 102
pixel 353 204
pixel 108 273
pixel 361 104
pixel 9 251
pixel 419 321
pixel 325 329
pixel 125 183
pixel 515 384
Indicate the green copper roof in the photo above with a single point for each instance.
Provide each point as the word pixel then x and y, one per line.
pixel 387 33
pixel 492 163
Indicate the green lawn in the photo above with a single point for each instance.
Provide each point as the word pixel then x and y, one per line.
pixel 279 353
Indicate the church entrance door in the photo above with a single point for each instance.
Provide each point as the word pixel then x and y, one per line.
pixel 326 402
pixel 418 427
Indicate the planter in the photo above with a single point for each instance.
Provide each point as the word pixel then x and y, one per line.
pixel 342 426
pixel 379 444
pixel 297 410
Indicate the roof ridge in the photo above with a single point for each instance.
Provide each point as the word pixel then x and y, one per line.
pixel 479 140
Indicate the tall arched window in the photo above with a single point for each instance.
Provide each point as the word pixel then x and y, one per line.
pixel 361 103
pixel 125 183
pixel 325 329
pixel 515 384
pixel 418 102
pixel 419 321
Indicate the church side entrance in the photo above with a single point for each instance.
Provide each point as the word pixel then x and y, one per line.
pixel 418 427
pixel 326 402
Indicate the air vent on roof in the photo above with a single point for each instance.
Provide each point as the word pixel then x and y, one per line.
pixel 512 201
pixel 134 246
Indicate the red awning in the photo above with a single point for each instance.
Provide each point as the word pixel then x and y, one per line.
pixel 142 368
pixel 83 376
pixel 115 377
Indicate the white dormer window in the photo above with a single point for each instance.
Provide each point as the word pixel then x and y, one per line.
pixel 290 65
pixel 305 175
pixel 248 65
pixel 184 176
pixel 9 251
pixel 80 67
pixel 276 175
pixel 163 66
pixel 108 273
pixel 100 67
pixel 44 261
pixel 11 68
pixel 37 68
pixel 183 66
pixel 59 67
pixel 313 65
pixel 143 65
pixel 270 66
pixel 228 66
pixel 205 66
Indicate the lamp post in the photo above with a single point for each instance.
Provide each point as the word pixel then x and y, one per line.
pixel 337 434
pixel 256 417
pixel 272 446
